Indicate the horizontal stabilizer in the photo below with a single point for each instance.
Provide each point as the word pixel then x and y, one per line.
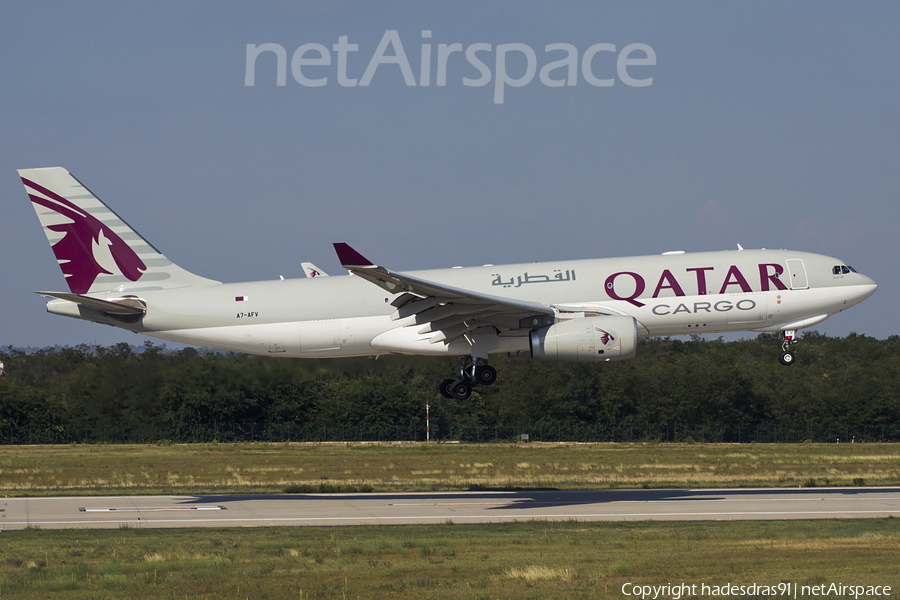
pixel 122 306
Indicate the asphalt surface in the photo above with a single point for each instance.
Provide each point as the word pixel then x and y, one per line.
pixel 440 507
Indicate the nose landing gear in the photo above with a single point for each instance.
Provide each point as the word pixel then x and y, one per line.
pixel 472 372
pixel 787 357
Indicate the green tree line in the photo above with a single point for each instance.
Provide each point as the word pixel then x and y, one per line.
pixel 836 381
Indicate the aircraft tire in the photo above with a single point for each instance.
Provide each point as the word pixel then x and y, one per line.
pixel 445 388
pixel 485 375
pixel 461 389
pixel 786 358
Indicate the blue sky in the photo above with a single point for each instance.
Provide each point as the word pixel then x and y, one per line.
pixel 767 124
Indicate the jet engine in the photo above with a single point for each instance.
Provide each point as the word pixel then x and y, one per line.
pixel 591 339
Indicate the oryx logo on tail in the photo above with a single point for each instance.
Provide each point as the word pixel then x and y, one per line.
pixel 88 247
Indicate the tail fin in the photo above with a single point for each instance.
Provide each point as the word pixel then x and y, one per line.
pixel 312 270
pixel 96 250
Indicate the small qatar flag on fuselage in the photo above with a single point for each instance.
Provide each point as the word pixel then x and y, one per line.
pixel 241 298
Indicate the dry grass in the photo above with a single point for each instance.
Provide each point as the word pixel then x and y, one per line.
pixel 241 468
pixel 537 573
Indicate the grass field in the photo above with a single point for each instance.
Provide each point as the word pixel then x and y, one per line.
pixel 514 560
pixel 523 560
pixel 264 468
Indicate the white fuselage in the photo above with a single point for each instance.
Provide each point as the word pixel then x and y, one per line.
pixel 672 294
pixel 577 310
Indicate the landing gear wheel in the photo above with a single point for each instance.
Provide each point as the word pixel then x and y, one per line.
pixel 787 357
pixel 485 375
pixel 445 388
pixel 461 389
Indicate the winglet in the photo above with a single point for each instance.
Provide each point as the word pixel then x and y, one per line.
pixel 349 257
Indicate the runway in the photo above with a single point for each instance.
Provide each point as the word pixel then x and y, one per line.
pixel 441 507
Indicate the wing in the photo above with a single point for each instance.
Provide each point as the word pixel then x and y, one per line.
pixel 450 311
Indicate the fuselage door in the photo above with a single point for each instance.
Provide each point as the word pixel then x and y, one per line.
pixel 798 274
pixel 318 336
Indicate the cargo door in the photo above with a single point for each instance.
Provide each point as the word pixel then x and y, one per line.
pixel 798 274
pixel 318 336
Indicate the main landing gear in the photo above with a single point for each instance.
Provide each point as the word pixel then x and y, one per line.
pixel 472 372
pixel 787 357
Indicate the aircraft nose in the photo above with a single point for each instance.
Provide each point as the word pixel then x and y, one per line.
pixel 868 287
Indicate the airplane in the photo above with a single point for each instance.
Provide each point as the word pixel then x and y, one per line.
pixel 587 310
pixel 311 270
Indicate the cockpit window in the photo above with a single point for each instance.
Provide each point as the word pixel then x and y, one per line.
pixel 842 270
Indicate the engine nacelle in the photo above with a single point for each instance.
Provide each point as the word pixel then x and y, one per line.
pixel 591 339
